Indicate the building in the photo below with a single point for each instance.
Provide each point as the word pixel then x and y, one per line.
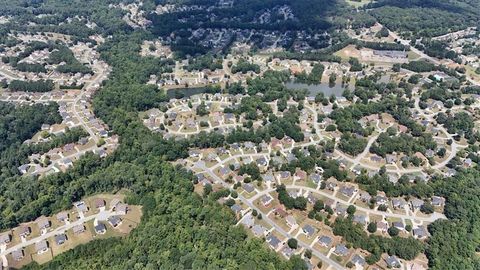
pixel 325 241
pixel 341 250
pixel 60 239
pixel 100 228
pixel 266 200
pixel 78 229
pixel 273 241
pixel 43 223
pixel 18 254
pixel 41 247
pixel 308 230
pixel 291 222
pixel 62 216
pixel 114 221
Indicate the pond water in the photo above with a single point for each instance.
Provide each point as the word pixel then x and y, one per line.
pixel 314 89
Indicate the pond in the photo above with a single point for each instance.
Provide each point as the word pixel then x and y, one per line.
pixel 314 89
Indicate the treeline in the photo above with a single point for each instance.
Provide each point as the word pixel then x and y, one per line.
pixel 315 76
pixel 244 66
pixel 31 86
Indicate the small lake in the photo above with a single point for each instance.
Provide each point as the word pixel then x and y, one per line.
pixel 314 89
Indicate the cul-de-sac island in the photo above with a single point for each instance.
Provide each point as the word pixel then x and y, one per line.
pixel 240 134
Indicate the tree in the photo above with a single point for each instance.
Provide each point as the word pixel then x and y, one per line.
pixel 393 231
pixel 292 243
pixel 372 227
pixel 351 209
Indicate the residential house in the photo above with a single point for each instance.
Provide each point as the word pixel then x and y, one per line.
pixel 291 222
pixel 273 241
pixel 100 228
pixel 358 260
pixel 41 247
pixel 416 204
pixel 438 201
pixel 381 200
pixel 99 203
pixel 287 251
pixel 308 230
pixel 43 223
pixel 392 262
pixel 399 225
pixel 420 232
pixel 114 221
pixel 258 230
pixel 382 226
pixel 360 219
pixel 78 229
pixel 18 254
pixel 325 241
pixel 60 239
pixel 266 200
pixel 81 206
pixel 62 216
pixel 348 190
pixel 398 203
pixel 365 196
pixel 121 208
pixel 249 188
pixel 5 238
pixel 24 231
pixel 341 250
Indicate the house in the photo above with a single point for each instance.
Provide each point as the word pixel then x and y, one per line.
pixel 291 222
pixel 311 198
pixel 340 210
pixel 381 200
pixel 78 229
pixel 266 200
pixel 62 216
pixel 330 186
pixel 273 241
pixel 398 203
pixel 100 228
pixel 237 209
pixel 382 226
pixel 420 232
pixel 249 188
pixel 341 250
pixel 43 223
pixel 279 211
pixel 60 239
pixel 365 197
pixel 358 260
pixel 24 231
pixel 81 206
pixel 316 178
pixel 325 241
pixel 438 201
pixel 391 159
pixel 467 162
pixel 114 202
pixel 284 175
pixel 41 247
pixel 114 221
pixel 262 162
pixel 308 230
pixel 268 177
pixel 392 262
pixel 5 238
pixel 121 208
pixel 360 219
pixel 416 204
pixel 347 190
pixel 18 254
pixel 258 230
pixel 399 225
pixel 287 251
pixel 99 203
pixel 300 175
pixel 248 220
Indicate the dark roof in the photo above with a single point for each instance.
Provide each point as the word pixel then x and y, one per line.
pixel 60 239
pixel 100 228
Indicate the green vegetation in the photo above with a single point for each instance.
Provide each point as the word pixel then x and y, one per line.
pixel 244 66
pixel 31 86
pixel 315 77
